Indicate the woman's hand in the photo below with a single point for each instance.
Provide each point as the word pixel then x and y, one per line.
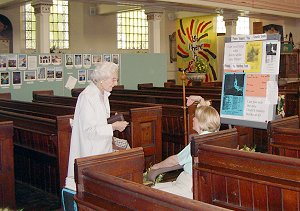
pixel 192 98
pixel 119 125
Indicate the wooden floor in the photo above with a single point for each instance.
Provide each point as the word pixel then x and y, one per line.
pixel 31 199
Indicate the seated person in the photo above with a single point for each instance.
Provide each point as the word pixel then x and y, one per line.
pixel 206 120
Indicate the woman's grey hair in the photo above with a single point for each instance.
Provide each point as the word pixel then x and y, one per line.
pixel 103 71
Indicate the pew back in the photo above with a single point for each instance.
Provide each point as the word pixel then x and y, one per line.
pixel 246 181
pixel 100 178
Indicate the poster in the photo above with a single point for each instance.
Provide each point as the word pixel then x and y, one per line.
pixel 196 38
pixel 250 89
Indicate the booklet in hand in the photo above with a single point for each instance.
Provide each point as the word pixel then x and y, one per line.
pixel 114 118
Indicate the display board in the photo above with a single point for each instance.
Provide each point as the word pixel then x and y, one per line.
pixel 20 74
pixel 250 80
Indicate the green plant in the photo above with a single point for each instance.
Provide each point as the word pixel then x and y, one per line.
pixel 201 65
pixel 158 179
pixel 280 105
pixel 248 149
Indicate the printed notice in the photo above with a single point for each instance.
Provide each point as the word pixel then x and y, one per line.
pixel 271 57
pixel 255 109
pixel 254 56
pixel 234 53
pixel 256 85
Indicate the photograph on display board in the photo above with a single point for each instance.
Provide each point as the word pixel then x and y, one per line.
pixel 58 73
pixel 116 58
pixel 16 78
pixel 50 73
pixel 77 60
pixel 22 61
pixel 4 78
pixel 12 61
pixel 271 57
pixel 89 72
pixel 44 59
pixel 41 73
pixel 96 58
pixel 56 59
pixel 107 57
pixel 81 76
pixel 3 62
pixel 69 60
pixel 30 75
pixel 233 94
pixel 87 60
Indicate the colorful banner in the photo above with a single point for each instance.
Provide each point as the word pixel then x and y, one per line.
pixel 196 39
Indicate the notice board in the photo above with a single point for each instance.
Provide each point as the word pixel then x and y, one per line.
pixel 250 80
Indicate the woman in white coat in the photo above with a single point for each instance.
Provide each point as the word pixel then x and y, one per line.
pixel 91 134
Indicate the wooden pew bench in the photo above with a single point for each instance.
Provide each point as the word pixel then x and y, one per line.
pixel 99 179
pixel 241 180
pixel 7 175
pixel 172 119
pixel 41 148
pixel 284 137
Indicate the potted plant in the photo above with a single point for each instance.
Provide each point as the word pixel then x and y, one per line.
pixel 197 70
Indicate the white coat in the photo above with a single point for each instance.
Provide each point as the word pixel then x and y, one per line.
pixel 91 135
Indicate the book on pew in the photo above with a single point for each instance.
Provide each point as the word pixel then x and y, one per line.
pixel 115 118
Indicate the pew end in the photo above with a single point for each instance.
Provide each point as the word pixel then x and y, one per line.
pixel 101 178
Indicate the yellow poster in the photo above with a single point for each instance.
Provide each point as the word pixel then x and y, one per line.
pixel 196 40
pixel 254 56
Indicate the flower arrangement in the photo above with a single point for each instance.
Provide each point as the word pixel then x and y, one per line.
pixel 280 105
pixel 147 182
pixel 200 65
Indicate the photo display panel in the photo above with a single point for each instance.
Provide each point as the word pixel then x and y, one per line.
pixel 250 80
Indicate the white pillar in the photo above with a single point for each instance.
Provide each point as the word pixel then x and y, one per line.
pixel 42 12
pixel 154 31
pixel 230 23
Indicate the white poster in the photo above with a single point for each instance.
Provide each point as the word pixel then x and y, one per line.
pixel 256 109
pixel 270 57
pixel 234 53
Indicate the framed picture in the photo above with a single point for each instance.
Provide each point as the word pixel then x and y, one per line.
pixel 96 58
pixel 87 60
pixel 4 78
pixel 56 59
pixel 89 72
pixel 69 60
pixel 16 78
pixel 30 75
pixel 3 62
pixel 41 73
pixel 116 58
pixel 81 76
pixel 107 57
pixel 78 60
pixel 45 59
pixel 22 64
pixel 58 73
pixel 12 62
pixel 50 73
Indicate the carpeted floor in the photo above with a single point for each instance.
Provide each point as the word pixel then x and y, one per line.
pixel 30 199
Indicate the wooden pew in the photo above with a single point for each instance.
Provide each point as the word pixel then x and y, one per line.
pixel 284 137
pixel 41 149
pixel 241 180
pixel 7 176
pixel 100 178
pixel 172 119
pixel 6 95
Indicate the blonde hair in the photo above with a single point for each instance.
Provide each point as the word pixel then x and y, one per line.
pixel 103 71
pixel 208 118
